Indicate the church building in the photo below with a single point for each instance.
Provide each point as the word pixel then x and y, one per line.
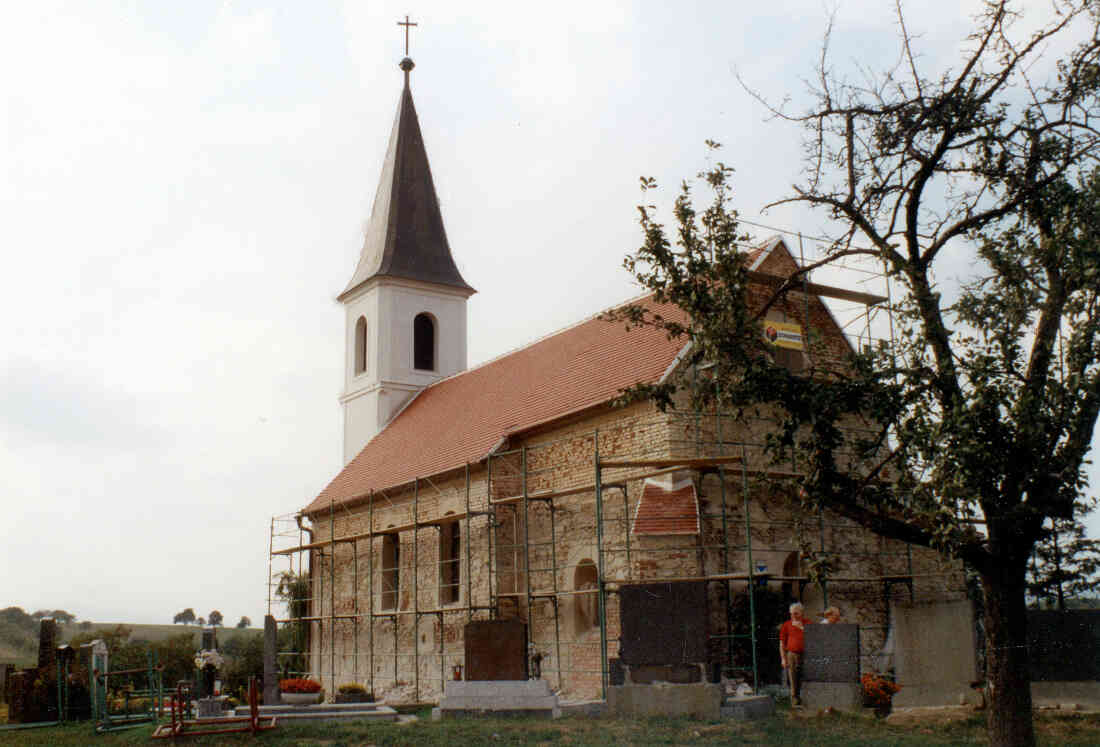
pixel 517 490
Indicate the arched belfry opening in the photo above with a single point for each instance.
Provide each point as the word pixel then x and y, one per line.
pixel 424 342
pixel 361 345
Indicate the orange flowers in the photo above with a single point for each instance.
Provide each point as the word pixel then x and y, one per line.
pixel 877 690
pixel 299 685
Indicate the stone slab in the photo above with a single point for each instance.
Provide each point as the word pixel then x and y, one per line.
pixel 832 653
pixel 663 623
pixel 936 659
pixel 504 697
pixel 701 700
pixel 327 712
pixel 748 707
pixel 585 708
pixel 1064 646
pixel 843 696
pixel 496 650
pixel 500 712
pixel 484 688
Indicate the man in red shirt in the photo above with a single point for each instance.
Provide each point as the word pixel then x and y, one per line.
pixel 792 646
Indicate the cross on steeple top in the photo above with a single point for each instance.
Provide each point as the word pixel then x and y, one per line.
pixel 406 23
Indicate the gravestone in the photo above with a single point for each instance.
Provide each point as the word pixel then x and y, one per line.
pixel 936 659
pixel 496 650
pixel 830 667
pixel 1064 646
pixel 832 653
pixel 663 624
pixel 47 642
pixel 271 671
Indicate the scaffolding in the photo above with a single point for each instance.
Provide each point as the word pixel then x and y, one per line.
pixel 518 515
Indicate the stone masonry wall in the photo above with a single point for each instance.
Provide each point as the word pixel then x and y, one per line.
pixel 416 646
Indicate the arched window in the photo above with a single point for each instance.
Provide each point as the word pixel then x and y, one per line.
pixel 424 342
pixel 361 345
pixel 586 607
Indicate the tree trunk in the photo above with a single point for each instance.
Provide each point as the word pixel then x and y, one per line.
pixel 1007 661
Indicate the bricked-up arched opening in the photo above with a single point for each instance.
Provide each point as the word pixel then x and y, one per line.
pixel 361 345
pixel 450 540
pixel 792 590
pixel 391 570
pixel 424 342
pixel 586 607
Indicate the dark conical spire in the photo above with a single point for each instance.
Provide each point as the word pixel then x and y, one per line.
pixel 405 236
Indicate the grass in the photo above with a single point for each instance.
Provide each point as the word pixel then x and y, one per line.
pixel 783 729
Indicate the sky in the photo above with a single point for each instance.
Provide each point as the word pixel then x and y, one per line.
pixel 183 194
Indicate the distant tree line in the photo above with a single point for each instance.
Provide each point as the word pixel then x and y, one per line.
pixel 215 618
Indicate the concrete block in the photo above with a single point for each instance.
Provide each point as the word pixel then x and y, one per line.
pixel 748 707
pixel 936 659
pixel 700 700
pixel 585 709
pixel 511 697
pixel 843 696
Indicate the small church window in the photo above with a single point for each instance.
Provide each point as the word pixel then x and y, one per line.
pixel 450 568
pixel 391 570
pixel 424 342
pixel 586 606
pixel 361 345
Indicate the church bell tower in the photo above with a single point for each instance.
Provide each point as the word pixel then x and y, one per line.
pixel 405 307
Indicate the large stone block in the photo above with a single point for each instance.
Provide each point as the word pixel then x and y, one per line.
pixel 701 700
pixel 843 696
pixel 501 697
pixel 936 659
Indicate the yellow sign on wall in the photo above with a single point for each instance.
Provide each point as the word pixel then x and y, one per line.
pixel 783 335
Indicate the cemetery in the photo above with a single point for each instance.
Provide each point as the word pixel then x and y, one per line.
pixel 655 676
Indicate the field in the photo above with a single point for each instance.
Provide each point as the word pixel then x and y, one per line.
pixel 786 728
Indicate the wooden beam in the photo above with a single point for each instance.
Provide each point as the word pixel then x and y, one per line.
pixel 816 289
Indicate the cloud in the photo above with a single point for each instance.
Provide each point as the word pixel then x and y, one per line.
pixel 68 408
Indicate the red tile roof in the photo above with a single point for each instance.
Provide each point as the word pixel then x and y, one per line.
pixel 461 418
pixel 667 510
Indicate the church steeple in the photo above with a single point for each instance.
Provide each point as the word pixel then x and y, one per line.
pixel 405 236
pixel 405 306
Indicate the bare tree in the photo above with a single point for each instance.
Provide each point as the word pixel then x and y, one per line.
pixel 982 412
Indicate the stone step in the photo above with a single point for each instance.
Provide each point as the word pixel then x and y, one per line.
pixel 370 711
pixel 493 688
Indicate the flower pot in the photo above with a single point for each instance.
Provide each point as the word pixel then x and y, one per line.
pixel 300 698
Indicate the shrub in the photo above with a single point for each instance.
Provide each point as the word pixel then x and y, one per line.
pixel 299 685
pixel 352 688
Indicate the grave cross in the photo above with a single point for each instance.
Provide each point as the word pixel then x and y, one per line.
pixel 406 24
